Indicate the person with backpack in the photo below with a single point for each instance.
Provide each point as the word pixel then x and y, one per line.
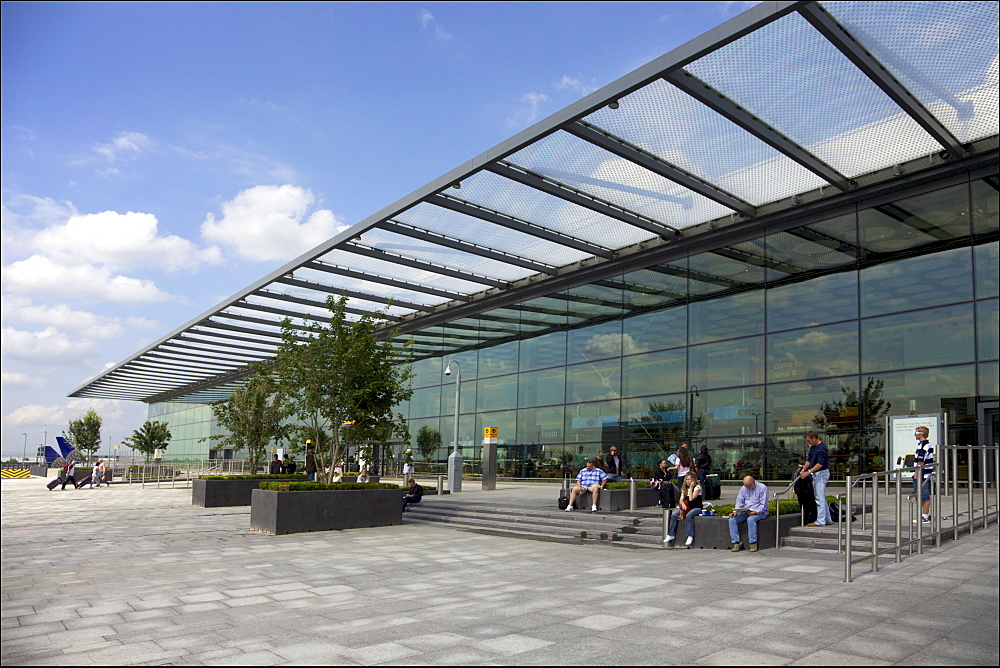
pixel 666 487
pixel 70 470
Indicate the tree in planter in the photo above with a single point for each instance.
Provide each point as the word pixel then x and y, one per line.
pixel 428 441
pixel 85 433
pixel 152 436
pixel 253 415
pixel 343 374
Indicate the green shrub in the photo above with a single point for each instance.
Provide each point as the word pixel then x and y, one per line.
pixel 318 486
pixel 297 476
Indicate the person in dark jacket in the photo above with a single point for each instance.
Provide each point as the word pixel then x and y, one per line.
pixel 414 495
pixel 615 465
pixel 662 479
pixel 275 468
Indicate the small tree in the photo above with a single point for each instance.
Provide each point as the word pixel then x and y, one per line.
pixel 428 441
pixel 343 374
pixel 85 433
pixel 253 415
pixel 152 436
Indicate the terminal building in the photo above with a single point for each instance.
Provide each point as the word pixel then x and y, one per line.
pixel 789 223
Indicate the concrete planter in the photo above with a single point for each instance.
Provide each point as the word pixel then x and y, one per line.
pixel 220 493
pixel 296 512
pixel 618 499
pixel 354 478
pixel 711 532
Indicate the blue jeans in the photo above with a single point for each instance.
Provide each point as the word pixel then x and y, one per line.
pixel 820 478
pixel 925 489
pixel 751 520
pixel 614 477
pixel 688 522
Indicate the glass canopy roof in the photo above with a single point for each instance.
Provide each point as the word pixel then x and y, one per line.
pixel 786 100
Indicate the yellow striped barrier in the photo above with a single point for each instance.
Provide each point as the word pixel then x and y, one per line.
pixel 16 473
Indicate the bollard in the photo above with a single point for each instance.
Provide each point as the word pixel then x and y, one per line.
pixel 666 525
pixel 632 501
pixel 440 485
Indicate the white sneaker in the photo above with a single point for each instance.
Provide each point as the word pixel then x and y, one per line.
pixel 668 539
pixel 569 508
pixel 593 509
pixel 689 541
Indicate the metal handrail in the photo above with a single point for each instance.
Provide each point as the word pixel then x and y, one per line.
pixel 941 479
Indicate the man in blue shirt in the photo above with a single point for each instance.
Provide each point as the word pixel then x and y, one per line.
pixel 590 479
pixel 751 507
pixel 818 466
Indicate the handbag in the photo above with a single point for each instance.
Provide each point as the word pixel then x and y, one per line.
pixel 685 506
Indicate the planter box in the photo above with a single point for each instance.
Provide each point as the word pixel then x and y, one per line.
pixel 220 493
pixel 711 532
pixel 296 512
pixel 617 499
pixel 354 478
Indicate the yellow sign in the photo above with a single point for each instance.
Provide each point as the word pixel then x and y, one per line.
pixel 117 446
pixel 490 432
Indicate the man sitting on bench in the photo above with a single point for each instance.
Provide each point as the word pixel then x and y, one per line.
pixel 590 479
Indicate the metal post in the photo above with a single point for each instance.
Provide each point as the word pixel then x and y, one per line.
pixel 899 513
pixel 874 525
pixel 632 494
pixel 455 462
pixel 954 491
pixel 972 514
pixel 440 485
pixel 847 549
pixel 666 525
pixel 982 474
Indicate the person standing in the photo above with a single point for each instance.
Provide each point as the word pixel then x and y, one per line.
pixel 311 466
pixel 704 464
pixel 275 467
pixel 685 462
pixel 818 466
pixel 97 475
pixel 923 457
pixel 615 465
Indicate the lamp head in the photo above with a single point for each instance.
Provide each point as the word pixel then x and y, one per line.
pixel 447 370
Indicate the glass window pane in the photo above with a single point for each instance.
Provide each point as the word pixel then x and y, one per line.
pixel 831 243
pixel 498 360
pixel 497 393
pixel 939 278
pixel 542 388
pixel 595 342
pixel 795 408
pixel 985 201
pixel 988 270
pixel 468 397
pixel 543 351
pixel 654 373
pixel 813 353
pixel 596 422
pixel 427 372
pixel 948 390
pixel 504 421
pixel 988 329
pixel 935 217
pixel 540 425
pixel 594 381
pixel 736 411
pixel 656 286
pixel 741 314
pixel 725 269
pixel 425 402
pixel 739 362
pixel 655 331
pixel 468 437
pixel 655 424
pixel 917 339
pixel 989 381
pixel 817 301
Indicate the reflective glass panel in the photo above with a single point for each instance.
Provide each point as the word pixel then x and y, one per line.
pixel 448 396
pixel 989 381
pixel 543 351
pixel 540 425
pixel 657 286
pixel 655 331
pixel 823 245
pixel 719 271
pixel 542 388
pixel 736 411
pixel 794 408
pixel 498 360
pixel 427 372
pixel 988 329
pixel 932 337
pixel 593 381
pixel 425 402
pixel 739 362
pixel 916 282
pixel 816 352
pixel 595 342
pixel 468 436
pixel 934 217
pixel 740 314
pixel 820 300
pixel 948 390
pixel 659 422
pixel 504 421
pixel 497 393
pixel 654 373
pixel 987 270
pixel 595 422
pixel 984 205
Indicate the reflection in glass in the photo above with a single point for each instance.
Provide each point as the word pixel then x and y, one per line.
pixel 426 402
pixel 595 342
pixel 543 351
pixel 498 360
pixel 427 372
pixel 831 243
pixel 989 381
pixel 737 411
pixel 930 280
pixel 931 337
pixel 949 390
pixel 816 301
pixel 655 331
pixel 938 216
pixel 741 314
pixel 654 428
pixel 794 408
pixel 738 362
pixel 542 388
pixel 654 373
pixel 593 381
pixel 540 425
pixel 988 329
pixel 497 393
pixel 985 201
pixel 596 422
pixel 448 395
pixel 722 270
pixel 988 270
pixel 813 353
pixel 656 286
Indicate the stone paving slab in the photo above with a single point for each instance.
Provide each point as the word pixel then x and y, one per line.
pixel 164 582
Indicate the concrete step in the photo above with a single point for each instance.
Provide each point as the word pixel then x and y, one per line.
pixel 595 521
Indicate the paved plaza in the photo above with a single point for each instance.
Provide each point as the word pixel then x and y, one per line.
pixel 139 576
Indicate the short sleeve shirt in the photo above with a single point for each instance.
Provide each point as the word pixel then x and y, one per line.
pixel 588 478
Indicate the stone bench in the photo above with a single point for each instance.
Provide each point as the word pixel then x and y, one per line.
pixel 711 532
pixel 618 499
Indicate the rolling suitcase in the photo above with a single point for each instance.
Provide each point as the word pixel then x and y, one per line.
pixel 52 485
pixel 85 481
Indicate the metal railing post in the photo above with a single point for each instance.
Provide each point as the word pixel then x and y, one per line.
pixel 982 475
pixel 848 546
pixel 972 493
pixel 666 525
pixel 954 490
pixel 633 503
pixel 899 515
pixel 874 528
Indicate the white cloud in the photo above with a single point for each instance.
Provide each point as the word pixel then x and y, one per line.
pixel 427 22
pixel 120 240
pixel 16 309
pixel 531 112
pixel 271 223
pixel 125 146
pixel 49 346
pixel 56 416
pixel 569 83
pixel 41 276
pixel 12 379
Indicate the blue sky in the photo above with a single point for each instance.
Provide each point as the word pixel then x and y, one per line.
pixel 157 157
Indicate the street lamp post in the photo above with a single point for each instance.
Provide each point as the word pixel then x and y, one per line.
pixel 455 459
pixel 24 455
pixel 692 393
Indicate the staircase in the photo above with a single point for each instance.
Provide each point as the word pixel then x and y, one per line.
pixel 620 529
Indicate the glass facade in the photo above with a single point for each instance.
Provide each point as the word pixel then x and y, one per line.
pixel 834 325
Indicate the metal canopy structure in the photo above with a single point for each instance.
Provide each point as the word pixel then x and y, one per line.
pixel 788 104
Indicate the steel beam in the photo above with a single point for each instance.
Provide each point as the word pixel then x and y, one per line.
pixel 384 280
pixel 423 266
pixel 294 299
pixel 334 290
